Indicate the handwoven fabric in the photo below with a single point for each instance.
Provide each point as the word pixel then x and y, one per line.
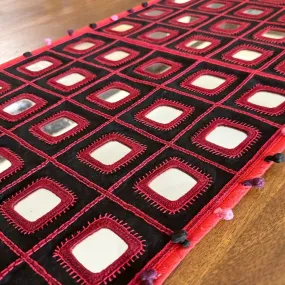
pixel 131 129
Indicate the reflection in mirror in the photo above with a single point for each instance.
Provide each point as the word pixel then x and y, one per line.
pixel 198 44
pixel 113 95
pixel 253 12
pixel 266 99
pixel 164 114
pixel 158 35
pixel 70 79
pixel 172 184
pixel 208 82
pixel 37 204
pixel 116 55
pixel 154 13
pixel 215 5
pixel 4 164
pixel 19 106
pixel 274 34
pixel 83 46
pixel 157 68
pixel 110 152
pixel 247 55
pixel 226 137
pixel 39 65
pixel 187 19
pixel 228 26
pixel 59 127
pixel 122 28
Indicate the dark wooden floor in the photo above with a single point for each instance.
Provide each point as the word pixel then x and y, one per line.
pixel 246 251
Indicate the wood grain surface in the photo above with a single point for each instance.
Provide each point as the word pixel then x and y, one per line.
pixel 248 250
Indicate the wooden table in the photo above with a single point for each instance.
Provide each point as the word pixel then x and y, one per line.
pixel 246 251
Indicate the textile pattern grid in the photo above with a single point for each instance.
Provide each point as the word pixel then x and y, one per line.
pixel 156 55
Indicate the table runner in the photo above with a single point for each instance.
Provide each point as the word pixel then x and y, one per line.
pixel 125 142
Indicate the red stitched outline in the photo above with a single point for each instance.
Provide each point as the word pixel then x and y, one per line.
pixel 264 55
pixel 94 97
pixel 214 43
pixel 55 63
pixel 241 13
pixel 132 54
pixel 4 86
pixel 15 160
pixel 163 204
pixel 199 19
pixel 39 103
pixel 209 92
pixel 70 48
pixel 166 12
pixel 81 125
pixel 205 7
pixel 253 134
pixel 281 19
pixel 259 36
pixel 242 101
pixel 136 150
pixel 144 36
pixel 171 2
pixel 186 111
pixel 134 24
pixel 136 247
pixel 88 77
pixel 19 222
pixel 242 26
pixel 174 67
pixel 280 67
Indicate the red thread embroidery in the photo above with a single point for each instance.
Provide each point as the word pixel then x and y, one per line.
pixel 264 55
pixel 132 54
pixel 55 63
pixel 252 136
pixel 162 203
pixel 183 45
pixel 198 19
pixel 39 103
pixel 16 163
pixel 4 87
pixel 37 131
pixel 174 66
pixel 70 48
pixel 229 79
pixel 136 247
pixel 240 26
pixel 243 100
pixel 67 200
pixel 88 77
pixel 146 36
pixel 135 26
pixel 136 149
pixel 186 111
pixel 94 97
pixel 280 68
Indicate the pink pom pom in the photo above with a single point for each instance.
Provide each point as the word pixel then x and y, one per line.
pixel 48 41
pixel 226 214
pixel 114 17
